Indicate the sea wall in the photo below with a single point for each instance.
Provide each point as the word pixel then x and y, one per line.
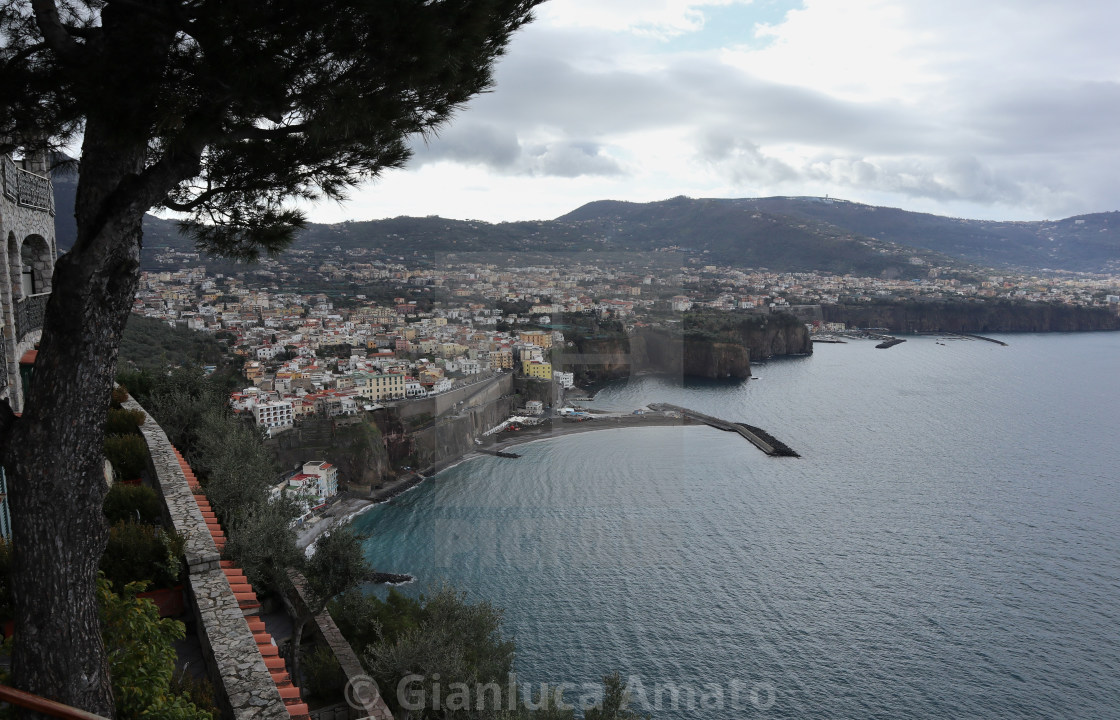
pixel 477 393
pixel 452 436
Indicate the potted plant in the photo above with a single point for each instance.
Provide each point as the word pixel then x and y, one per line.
pixel 128 455
pixel 147 553
pixel 124 422
pixel 132 503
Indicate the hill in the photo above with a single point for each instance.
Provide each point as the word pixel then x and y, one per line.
pixel 780 233
pixel 1086 243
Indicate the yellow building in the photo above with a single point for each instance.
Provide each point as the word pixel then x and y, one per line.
pixel 501 359
pixel 538 370
pixel 253 370
pixel 540 338
pixel 450 349
pixel 379 387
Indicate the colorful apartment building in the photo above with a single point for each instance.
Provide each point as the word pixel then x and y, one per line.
pixel 380 387
pixel 538 370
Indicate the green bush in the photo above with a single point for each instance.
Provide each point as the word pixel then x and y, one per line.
pixel 132 503
pixel 141 653
pixel 123 422
pixel 137 552
pixel 198 690
pixel 324 676
pixel 128 454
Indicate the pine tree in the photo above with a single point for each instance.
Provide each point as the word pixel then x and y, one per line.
pixel 224 112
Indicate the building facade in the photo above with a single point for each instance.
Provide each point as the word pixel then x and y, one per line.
pixel 27 226
pixel 380 387
pixel 276 414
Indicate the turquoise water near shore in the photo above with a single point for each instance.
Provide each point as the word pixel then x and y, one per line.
pixel 947 546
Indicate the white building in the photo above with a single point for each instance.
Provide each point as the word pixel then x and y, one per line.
pixel 565 380
pixel 326 477
pixel 413 388
pixel 275 414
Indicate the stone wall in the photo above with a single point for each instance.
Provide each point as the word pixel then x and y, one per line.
pixel 363 697
pixel 473 394
pixel 18 222
pixel 242 683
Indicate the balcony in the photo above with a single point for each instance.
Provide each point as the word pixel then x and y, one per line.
pixel 29 314
pixel 26 188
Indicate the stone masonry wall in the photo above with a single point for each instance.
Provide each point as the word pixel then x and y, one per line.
pixel 362 691
pixel 242 683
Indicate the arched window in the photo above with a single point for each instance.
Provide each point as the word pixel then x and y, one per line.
pixel 36 266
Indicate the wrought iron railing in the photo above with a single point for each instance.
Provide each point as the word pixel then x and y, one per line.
pixel 29 314
pixel 27 188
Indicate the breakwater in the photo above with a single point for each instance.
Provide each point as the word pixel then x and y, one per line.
pixel 758 437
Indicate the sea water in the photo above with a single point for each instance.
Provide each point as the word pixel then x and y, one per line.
pixel 948 545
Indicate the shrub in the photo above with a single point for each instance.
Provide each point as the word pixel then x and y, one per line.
pixel 141 654
pixel 128 454
pixel 132 503
pixel 324 676
pixel 138 552
pixel 123 422
pixel 118 396
pixel 198 690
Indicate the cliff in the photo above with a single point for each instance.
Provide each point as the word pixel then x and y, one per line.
pixel 664 351
pixel 353 445
pixel 705 345
pixel 973 317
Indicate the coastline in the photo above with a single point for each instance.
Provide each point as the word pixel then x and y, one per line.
pixel 350 507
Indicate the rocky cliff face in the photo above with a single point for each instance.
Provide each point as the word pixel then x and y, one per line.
pixel 985 317
pixel 356 447
pixel 451 437
pixel 691 350
pixel 662 351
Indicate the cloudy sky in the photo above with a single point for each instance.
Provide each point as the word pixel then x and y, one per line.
pixel 1001 109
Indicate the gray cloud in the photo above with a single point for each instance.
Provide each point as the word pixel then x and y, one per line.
pixel 472 143
pixel 572 159
pixel 500 150
pixel 1003 129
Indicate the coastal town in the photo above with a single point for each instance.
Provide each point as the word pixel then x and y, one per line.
pixel 382 330
pixel 336 351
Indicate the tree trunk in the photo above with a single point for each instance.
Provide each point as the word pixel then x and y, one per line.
pixel 54 451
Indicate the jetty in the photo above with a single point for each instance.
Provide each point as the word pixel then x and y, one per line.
pixel 498 453
pixel 946 335
pixel 758 437
pixel 981 337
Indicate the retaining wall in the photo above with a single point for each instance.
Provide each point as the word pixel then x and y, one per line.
pixel 243 687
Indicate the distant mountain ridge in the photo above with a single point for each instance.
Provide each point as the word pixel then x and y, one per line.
pixel 1085 243
pixel 786 234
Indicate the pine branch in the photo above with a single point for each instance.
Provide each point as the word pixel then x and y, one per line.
pixel 55 33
